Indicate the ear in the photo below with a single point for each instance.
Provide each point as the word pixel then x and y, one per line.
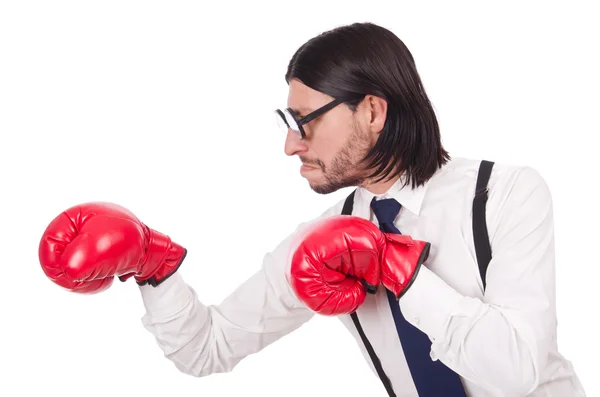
pixel 376 110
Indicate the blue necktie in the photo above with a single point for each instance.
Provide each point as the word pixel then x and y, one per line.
pixel 432 378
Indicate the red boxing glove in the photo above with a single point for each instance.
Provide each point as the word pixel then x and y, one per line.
pixel 86 246
pixel 341 258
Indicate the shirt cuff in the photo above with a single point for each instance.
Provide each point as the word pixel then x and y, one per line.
pixel 168 298
pixel 430 303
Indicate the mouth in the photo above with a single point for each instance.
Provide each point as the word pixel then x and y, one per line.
pixel 306 168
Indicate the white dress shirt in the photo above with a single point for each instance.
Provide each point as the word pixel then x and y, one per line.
pixel 501 343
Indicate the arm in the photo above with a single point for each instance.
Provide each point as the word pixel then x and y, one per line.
pixel 205 339
pixel 501 342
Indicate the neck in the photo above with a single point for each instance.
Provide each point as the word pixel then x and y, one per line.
pixel 379 187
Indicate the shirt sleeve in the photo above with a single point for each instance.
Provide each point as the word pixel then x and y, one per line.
pixel 500 342
pixel 205 339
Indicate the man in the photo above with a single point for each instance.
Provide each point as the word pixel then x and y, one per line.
pixel 402 272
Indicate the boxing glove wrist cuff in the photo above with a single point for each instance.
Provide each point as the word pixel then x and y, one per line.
pixel 398 289
pixel 411 281
pixel 163 273
pixel 163 258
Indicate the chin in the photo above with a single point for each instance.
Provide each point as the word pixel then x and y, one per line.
pixel 322 189
pixel 326 186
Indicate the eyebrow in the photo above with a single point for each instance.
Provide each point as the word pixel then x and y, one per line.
pixel 302 110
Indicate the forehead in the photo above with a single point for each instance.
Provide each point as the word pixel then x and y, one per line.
pixel 303 99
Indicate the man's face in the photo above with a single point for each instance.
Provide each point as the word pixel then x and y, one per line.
pixel 334 145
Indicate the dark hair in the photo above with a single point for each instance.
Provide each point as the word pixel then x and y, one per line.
pixel 355 60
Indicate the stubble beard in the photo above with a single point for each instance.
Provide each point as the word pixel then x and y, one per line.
pixel 345 169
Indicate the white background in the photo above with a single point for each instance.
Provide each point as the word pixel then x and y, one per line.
pixel 167 108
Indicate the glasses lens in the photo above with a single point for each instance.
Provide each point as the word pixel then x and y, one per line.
pixel 281 123
pixel 291 121
pixel 286 121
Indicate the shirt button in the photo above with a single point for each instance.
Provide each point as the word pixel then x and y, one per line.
pixel 416 320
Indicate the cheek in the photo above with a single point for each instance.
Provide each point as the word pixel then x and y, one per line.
pixel 329 138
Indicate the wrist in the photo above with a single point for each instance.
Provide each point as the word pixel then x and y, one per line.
pixel 410 282
pixel 428 304
pixel 167 299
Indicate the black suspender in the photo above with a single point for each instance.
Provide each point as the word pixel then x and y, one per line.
pixel 349 204
pixel 480 233
pixel 482 250
pixel 347 210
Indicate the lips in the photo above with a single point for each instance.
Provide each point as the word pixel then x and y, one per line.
pixel 304 169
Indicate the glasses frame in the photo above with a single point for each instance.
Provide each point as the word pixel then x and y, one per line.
pixel 300 122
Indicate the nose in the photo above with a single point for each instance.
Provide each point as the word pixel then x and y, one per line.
pixel 293 144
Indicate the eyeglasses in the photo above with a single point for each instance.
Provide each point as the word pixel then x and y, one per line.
pixel 287 118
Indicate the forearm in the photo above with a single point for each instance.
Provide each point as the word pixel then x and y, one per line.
pixel 461 329
pixel 183 327
pixel 201 340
